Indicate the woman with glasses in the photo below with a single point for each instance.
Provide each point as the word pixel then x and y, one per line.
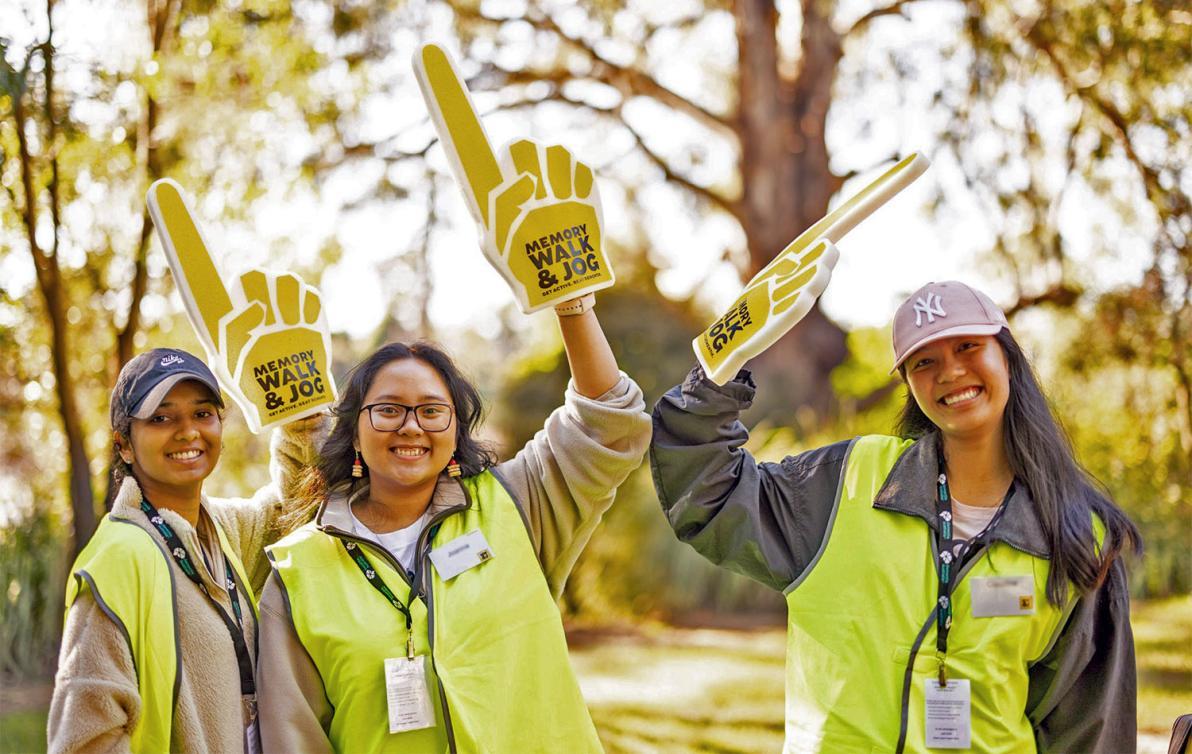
pixel 417 613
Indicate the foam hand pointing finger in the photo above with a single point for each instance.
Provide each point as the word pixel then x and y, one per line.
pixel 537 207
pixel 784 291
pixel 265 335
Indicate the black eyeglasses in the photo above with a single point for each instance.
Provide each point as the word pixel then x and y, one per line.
pixel 390 417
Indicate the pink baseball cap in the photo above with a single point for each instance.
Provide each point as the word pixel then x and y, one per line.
pixel 943 310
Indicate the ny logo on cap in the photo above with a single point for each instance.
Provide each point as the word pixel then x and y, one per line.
pixel 171 359
pixel 931 307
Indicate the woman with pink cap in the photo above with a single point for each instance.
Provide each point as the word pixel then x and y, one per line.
pixel 957 585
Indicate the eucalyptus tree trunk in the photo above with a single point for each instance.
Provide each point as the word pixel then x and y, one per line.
pixel 787 185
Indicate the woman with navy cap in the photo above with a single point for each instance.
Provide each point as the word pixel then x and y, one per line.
pixel 160 637
pixel 955 586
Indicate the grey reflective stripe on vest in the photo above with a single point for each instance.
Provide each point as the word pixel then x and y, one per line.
pixel 285 598
pixel 173 611
pixel 516 503
pixel 831 520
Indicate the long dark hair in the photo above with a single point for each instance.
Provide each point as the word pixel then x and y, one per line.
pixel 333 471
pixel 1064 493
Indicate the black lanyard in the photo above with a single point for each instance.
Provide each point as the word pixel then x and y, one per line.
pixel 952 556
pixel 356 553
pixel 235 628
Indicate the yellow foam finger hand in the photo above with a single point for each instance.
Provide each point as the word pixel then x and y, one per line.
pixel 538 207
pixel 786 289
pixel 777 298
pixel 283 368
pixel 203 293
pixel 467 146
pixel 265 335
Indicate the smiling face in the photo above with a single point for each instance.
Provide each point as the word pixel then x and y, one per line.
pixel 408 459
pixel 176 448
pixel 961 383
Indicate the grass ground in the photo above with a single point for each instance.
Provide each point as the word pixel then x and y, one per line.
pixel 681 691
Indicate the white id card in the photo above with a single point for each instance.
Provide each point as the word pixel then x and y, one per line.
pixel 460 554
pixel 409 698
pixel 1003 595
pixel 949 721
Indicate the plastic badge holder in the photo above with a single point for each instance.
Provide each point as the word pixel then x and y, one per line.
pixel 265 334
pixel 537 207
pixel 784 291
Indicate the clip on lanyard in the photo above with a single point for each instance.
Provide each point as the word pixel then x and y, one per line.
pixel 952 555
pixel 235 628
pixel 356 553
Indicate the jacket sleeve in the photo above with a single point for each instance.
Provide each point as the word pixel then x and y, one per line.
pixel 252 523
pixel 566 477
pixel 95 703
pixel 766 521
pixel 1082 696
pixel 294 713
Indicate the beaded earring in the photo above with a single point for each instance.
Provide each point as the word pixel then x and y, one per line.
pixel 453 469
pixel 357 467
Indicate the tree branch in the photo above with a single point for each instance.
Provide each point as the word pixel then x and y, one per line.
pixel 1119 129
pixel 629 81
pixel 894 9
pixel 556 95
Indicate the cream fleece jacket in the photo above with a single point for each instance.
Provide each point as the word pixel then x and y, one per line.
pixel 96 704
pixel 564 479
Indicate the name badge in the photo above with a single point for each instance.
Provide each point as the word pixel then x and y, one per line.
pixel 1003 595
pixel 460 554
pixel 949 716
pixel 407 694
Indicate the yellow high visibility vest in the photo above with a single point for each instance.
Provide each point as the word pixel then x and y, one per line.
pixel 130 576
pixel 497 663
pixel 861 629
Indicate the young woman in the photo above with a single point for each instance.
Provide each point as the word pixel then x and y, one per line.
pixel 417 612
pixel 160 637
pixel 956 586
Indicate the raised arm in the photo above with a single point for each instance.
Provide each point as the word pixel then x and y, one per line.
pixel 593 367
pixel 765 521
pixel 567 476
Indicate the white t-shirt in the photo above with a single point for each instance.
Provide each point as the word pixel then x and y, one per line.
pixel 970 520
pixel 401 543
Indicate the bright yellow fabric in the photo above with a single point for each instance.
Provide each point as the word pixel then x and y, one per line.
pixel 498 644
pixel 130 578
pixel 853 621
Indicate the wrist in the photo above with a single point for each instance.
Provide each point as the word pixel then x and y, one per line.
pixel 576 306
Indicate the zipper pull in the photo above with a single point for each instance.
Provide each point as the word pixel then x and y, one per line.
pixel 943 674
pixel 410 645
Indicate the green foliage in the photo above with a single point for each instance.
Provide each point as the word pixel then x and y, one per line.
pixel 23 732
pixel 32 571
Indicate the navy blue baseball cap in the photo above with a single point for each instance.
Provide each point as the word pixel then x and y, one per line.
pixel 147 378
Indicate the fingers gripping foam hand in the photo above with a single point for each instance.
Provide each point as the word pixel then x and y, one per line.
pixel 265 335
pixel 537 207
pixel 786 289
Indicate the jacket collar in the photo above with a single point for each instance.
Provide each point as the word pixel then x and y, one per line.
pixel 196 539
pixel 336 511
pixel 910 489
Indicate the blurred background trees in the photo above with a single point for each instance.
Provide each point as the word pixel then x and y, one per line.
pixel 1059 133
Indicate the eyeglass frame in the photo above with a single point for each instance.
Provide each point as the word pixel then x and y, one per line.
pixel 406 416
